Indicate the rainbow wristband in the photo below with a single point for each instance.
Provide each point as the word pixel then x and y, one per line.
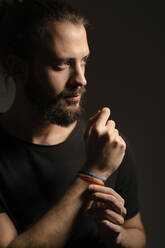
pixel 88 176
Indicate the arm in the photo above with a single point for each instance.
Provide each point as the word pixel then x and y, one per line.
pixel 55 227
pixel 105 151
pixel 109 212
pixel 132 233
pixel 7 230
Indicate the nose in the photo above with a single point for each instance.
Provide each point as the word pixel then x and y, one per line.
pixel 78 76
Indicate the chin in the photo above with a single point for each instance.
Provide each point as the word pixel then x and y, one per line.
pixel 64 114
pixel 74 106
pixel 71 105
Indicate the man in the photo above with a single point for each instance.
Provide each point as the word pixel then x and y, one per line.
pixel 44 199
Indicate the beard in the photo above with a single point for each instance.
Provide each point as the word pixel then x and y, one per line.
pixel 50 106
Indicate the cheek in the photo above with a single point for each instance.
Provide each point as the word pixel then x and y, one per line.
pixel 57 80
pixel 51 81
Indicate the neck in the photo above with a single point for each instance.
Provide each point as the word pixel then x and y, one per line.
pixel 25 123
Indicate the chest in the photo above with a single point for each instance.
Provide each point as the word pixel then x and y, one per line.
pixel 33 180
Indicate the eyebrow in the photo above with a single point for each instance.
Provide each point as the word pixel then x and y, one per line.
pixel 63 59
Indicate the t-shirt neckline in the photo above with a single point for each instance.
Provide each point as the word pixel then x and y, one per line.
pixel 39 146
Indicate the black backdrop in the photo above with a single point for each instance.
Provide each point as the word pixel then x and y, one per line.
pixel 126 73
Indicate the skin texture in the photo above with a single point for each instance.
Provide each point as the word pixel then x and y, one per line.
pixel 109 213
pixel 69 42
pixel 65 75
pixel 104 146
pixel 52 78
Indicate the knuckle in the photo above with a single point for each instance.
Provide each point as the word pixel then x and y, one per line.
pixel 115 142
pixel 116 139
pixel 121 220
pixel 116 131
pixel 110 190
pixel 123 145
pixel 125 211
pixel 112 123
pixel 111 198
pixel 121 142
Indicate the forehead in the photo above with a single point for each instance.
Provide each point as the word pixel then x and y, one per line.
pixel 65 39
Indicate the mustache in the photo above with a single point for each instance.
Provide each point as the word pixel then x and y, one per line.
pixel 72 92
pixel 66 93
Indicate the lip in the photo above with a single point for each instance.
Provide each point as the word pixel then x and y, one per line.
pixel 74 98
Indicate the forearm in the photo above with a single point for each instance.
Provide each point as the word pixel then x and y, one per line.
pixel 131 238
pixel 54 229
pixel 127 238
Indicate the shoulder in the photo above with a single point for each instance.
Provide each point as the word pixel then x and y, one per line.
pixel 126 182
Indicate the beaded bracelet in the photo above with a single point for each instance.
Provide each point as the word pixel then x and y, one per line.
pixel 88 176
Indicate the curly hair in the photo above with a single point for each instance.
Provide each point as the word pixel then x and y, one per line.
pixel 24 22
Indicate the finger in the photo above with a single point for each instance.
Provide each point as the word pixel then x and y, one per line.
pixel 122 142
pixel 112 132
pixel 102 118
pixel 111 201
pixel 116 135
pixel 118 142
pixel 116 132
pixel 105 190
pixel 91 120
pixel 113 217
pixel 111 125
pixel 107 214
pixel 118 208
pixel 112 226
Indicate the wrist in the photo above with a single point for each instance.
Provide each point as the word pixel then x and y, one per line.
pixel 91 177
pixel 104 174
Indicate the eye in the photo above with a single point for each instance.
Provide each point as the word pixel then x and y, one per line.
pixel 85 60
pixel 61 65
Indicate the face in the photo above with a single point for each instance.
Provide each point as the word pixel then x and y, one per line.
pixel 56 81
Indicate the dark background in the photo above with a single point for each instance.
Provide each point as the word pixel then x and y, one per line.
pixel 126 73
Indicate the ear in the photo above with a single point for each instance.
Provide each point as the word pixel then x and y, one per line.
pixel 17 68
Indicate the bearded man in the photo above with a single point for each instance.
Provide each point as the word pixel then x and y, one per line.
pixel 63 182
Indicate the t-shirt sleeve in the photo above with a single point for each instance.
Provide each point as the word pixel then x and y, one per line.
pixel 126 183
pixel 2 208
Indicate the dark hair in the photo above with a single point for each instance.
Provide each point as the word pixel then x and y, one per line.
pixel 24 21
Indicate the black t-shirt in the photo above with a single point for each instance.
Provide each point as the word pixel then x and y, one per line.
pixel 34 177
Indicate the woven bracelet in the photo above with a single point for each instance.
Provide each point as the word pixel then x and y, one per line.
pixel 90 177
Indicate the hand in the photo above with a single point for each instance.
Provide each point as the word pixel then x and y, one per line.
pixel 108 209
pixel 109 212
pixel 105 148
